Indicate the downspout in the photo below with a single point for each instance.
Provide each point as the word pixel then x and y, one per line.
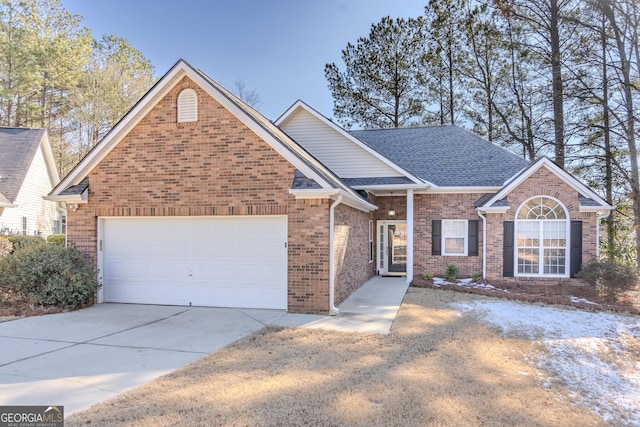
pixel 409 264
pixel 484 244
pixel 599 216
pixel 332 273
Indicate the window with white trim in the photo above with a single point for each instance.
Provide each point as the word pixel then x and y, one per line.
pixel 542 228
pixel 455 233
pixel 187 106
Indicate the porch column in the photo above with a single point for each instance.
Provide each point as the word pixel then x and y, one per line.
pixel 409 235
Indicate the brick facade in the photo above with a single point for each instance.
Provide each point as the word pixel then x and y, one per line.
pixel 215 166
pixel 542 183
pixel 351 248
pixel 430 207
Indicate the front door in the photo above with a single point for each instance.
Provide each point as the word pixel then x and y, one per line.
pixel 393 247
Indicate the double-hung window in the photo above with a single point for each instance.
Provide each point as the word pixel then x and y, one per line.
pixel 455 233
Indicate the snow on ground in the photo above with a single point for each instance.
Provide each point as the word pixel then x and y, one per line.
pixel 596 355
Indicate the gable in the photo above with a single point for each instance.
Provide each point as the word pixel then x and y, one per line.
pixel 341 155
pixel 164 161
pixel 543 177
pixel 329 183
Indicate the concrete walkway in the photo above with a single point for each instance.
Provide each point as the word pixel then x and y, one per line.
pixel 370 309
pixel 83 357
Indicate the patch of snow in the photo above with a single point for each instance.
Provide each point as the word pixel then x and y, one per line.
pixel 583 300
pixel 591 353
pixel 438 281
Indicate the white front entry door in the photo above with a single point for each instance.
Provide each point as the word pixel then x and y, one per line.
pixel 392 248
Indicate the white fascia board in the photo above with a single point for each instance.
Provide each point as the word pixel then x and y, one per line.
pixel 569 179
pixel 7 205
pixel 391 187
pixel 496 209
pixel 49 159
pixel 122 128
pixel 67 198
pixel 596 209
pixel 321 193
pixel 458 190
pixel 340 130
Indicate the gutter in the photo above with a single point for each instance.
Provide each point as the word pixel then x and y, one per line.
pixel 484 244
pixel 332 273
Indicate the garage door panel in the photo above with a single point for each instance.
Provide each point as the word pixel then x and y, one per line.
pixel 210 261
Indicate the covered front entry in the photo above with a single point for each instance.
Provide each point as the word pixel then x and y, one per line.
pixel 233 261
pixel 392 248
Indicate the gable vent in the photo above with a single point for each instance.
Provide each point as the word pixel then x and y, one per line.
pixel 187 106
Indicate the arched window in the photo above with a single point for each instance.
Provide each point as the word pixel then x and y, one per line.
pixel 542 230
pixel 187 106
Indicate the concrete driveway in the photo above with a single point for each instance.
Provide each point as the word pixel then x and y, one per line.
pixel 80 358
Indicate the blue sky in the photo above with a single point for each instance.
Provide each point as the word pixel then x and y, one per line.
pixel 276 47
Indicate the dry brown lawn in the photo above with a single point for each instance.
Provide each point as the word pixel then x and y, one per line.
pixel 436 368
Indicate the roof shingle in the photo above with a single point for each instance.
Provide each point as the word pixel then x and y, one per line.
pixel 18 146
pixel 447 156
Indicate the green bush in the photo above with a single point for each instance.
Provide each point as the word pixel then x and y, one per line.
pixel 20 242
pixel 611 279
pixel 451 273
pixel 476 277
pixel 50 275
pixel 57 239
pixel 6 247
pixel 427 276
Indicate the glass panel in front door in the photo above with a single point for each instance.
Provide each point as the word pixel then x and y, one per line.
pixel 397 239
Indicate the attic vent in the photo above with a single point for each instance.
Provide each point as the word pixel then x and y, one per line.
pixel 187 106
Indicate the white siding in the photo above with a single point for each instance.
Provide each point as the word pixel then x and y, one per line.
pixel 344 157
pixel 40 213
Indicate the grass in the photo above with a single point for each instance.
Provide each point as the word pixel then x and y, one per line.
pixel 435 368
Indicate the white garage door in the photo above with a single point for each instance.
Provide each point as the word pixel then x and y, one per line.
pixel 200 261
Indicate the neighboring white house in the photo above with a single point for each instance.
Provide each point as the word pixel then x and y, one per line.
pixel 27 173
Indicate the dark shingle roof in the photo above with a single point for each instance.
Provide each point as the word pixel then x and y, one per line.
pixel 18 146
pixel 300 181
pixel 447 156
pixel 485 198
pixel 585 201
pixel 76 189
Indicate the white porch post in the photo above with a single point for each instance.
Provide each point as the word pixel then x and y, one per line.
pixel 409 235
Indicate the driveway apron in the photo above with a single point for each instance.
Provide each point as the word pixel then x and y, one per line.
pixel 80 358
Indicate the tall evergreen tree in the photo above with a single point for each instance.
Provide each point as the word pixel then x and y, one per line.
pixel 380 84
pixel 446 53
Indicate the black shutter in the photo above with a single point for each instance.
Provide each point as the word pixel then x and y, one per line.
pixel 575 257
pixel 473 238
pixel 436 237
pixel 507 252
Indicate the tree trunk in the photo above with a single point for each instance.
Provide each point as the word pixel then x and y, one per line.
pixel 630 133
pixel 611 242
pixel 557 95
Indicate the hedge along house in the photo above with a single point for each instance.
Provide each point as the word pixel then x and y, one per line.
pixel 194 198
